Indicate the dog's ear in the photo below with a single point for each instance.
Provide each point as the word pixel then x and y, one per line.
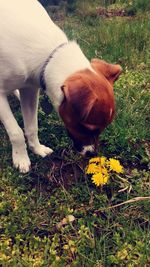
pixel 79 97
pixel 110 71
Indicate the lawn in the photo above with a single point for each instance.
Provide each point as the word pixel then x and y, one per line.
pixel 55 216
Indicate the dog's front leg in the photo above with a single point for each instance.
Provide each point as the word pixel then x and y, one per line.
pixel 16 136
pixel 29 103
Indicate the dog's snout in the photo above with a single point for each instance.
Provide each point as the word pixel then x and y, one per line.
pixel 90 154
pixel 89 151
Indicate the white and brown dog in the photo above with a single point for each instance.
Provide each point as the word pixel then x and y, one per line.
pixel 35 53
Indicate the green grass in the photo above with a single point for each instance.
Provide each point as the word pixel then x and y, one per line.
pixel 89 5
pixel 33 205
pixel 121 40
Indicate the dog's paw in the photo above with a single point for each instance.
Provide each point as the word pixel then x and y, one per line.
pixel 42 150
pixel 21 162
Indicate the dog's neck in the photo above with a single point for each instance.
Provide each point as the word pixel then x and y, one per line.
pixel 68 60
pixel 42 73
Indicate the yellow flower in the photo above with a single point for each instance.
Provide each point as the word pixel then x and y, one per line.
pixel 100 169
pixel 99 160
pixel 105 171
pixel 103 161
pixel 94 160
pixel 100 178
pixel 92 168
pixel 115 165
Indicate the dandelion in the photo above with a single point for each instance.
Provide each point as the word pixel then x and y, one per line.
pixel 94 160
pixel 115 165
pixel 92 168
pixel 103 161
pixel 100 169
pixel 100 178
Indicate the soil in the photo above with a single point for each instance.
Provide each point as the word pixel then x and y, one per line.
pixel 59 170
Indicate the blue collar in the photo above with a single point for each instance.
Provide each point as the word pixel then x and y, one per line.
pixel 42 78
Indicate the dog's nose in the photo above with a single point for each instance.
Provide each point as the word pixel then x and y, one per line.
pixel 91 154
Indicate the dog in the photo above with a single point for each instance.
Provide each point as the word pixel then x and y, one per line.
pixel 35 53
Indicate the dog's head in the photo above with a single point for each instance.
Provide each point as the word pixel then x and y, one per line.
pixel 88 105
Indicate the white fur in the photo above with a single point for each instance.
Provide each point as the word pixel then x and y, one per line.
pixel 67 61
pixel 27 37
pixel 85 149
pixel 17 94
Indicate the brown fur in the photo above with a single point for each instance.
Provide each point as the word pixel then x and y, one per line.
pixel 88 105
pixel 110 71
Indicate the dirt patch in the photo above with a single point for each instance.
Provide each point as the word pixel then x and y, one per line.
pixel 101 11
pixel 57 170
